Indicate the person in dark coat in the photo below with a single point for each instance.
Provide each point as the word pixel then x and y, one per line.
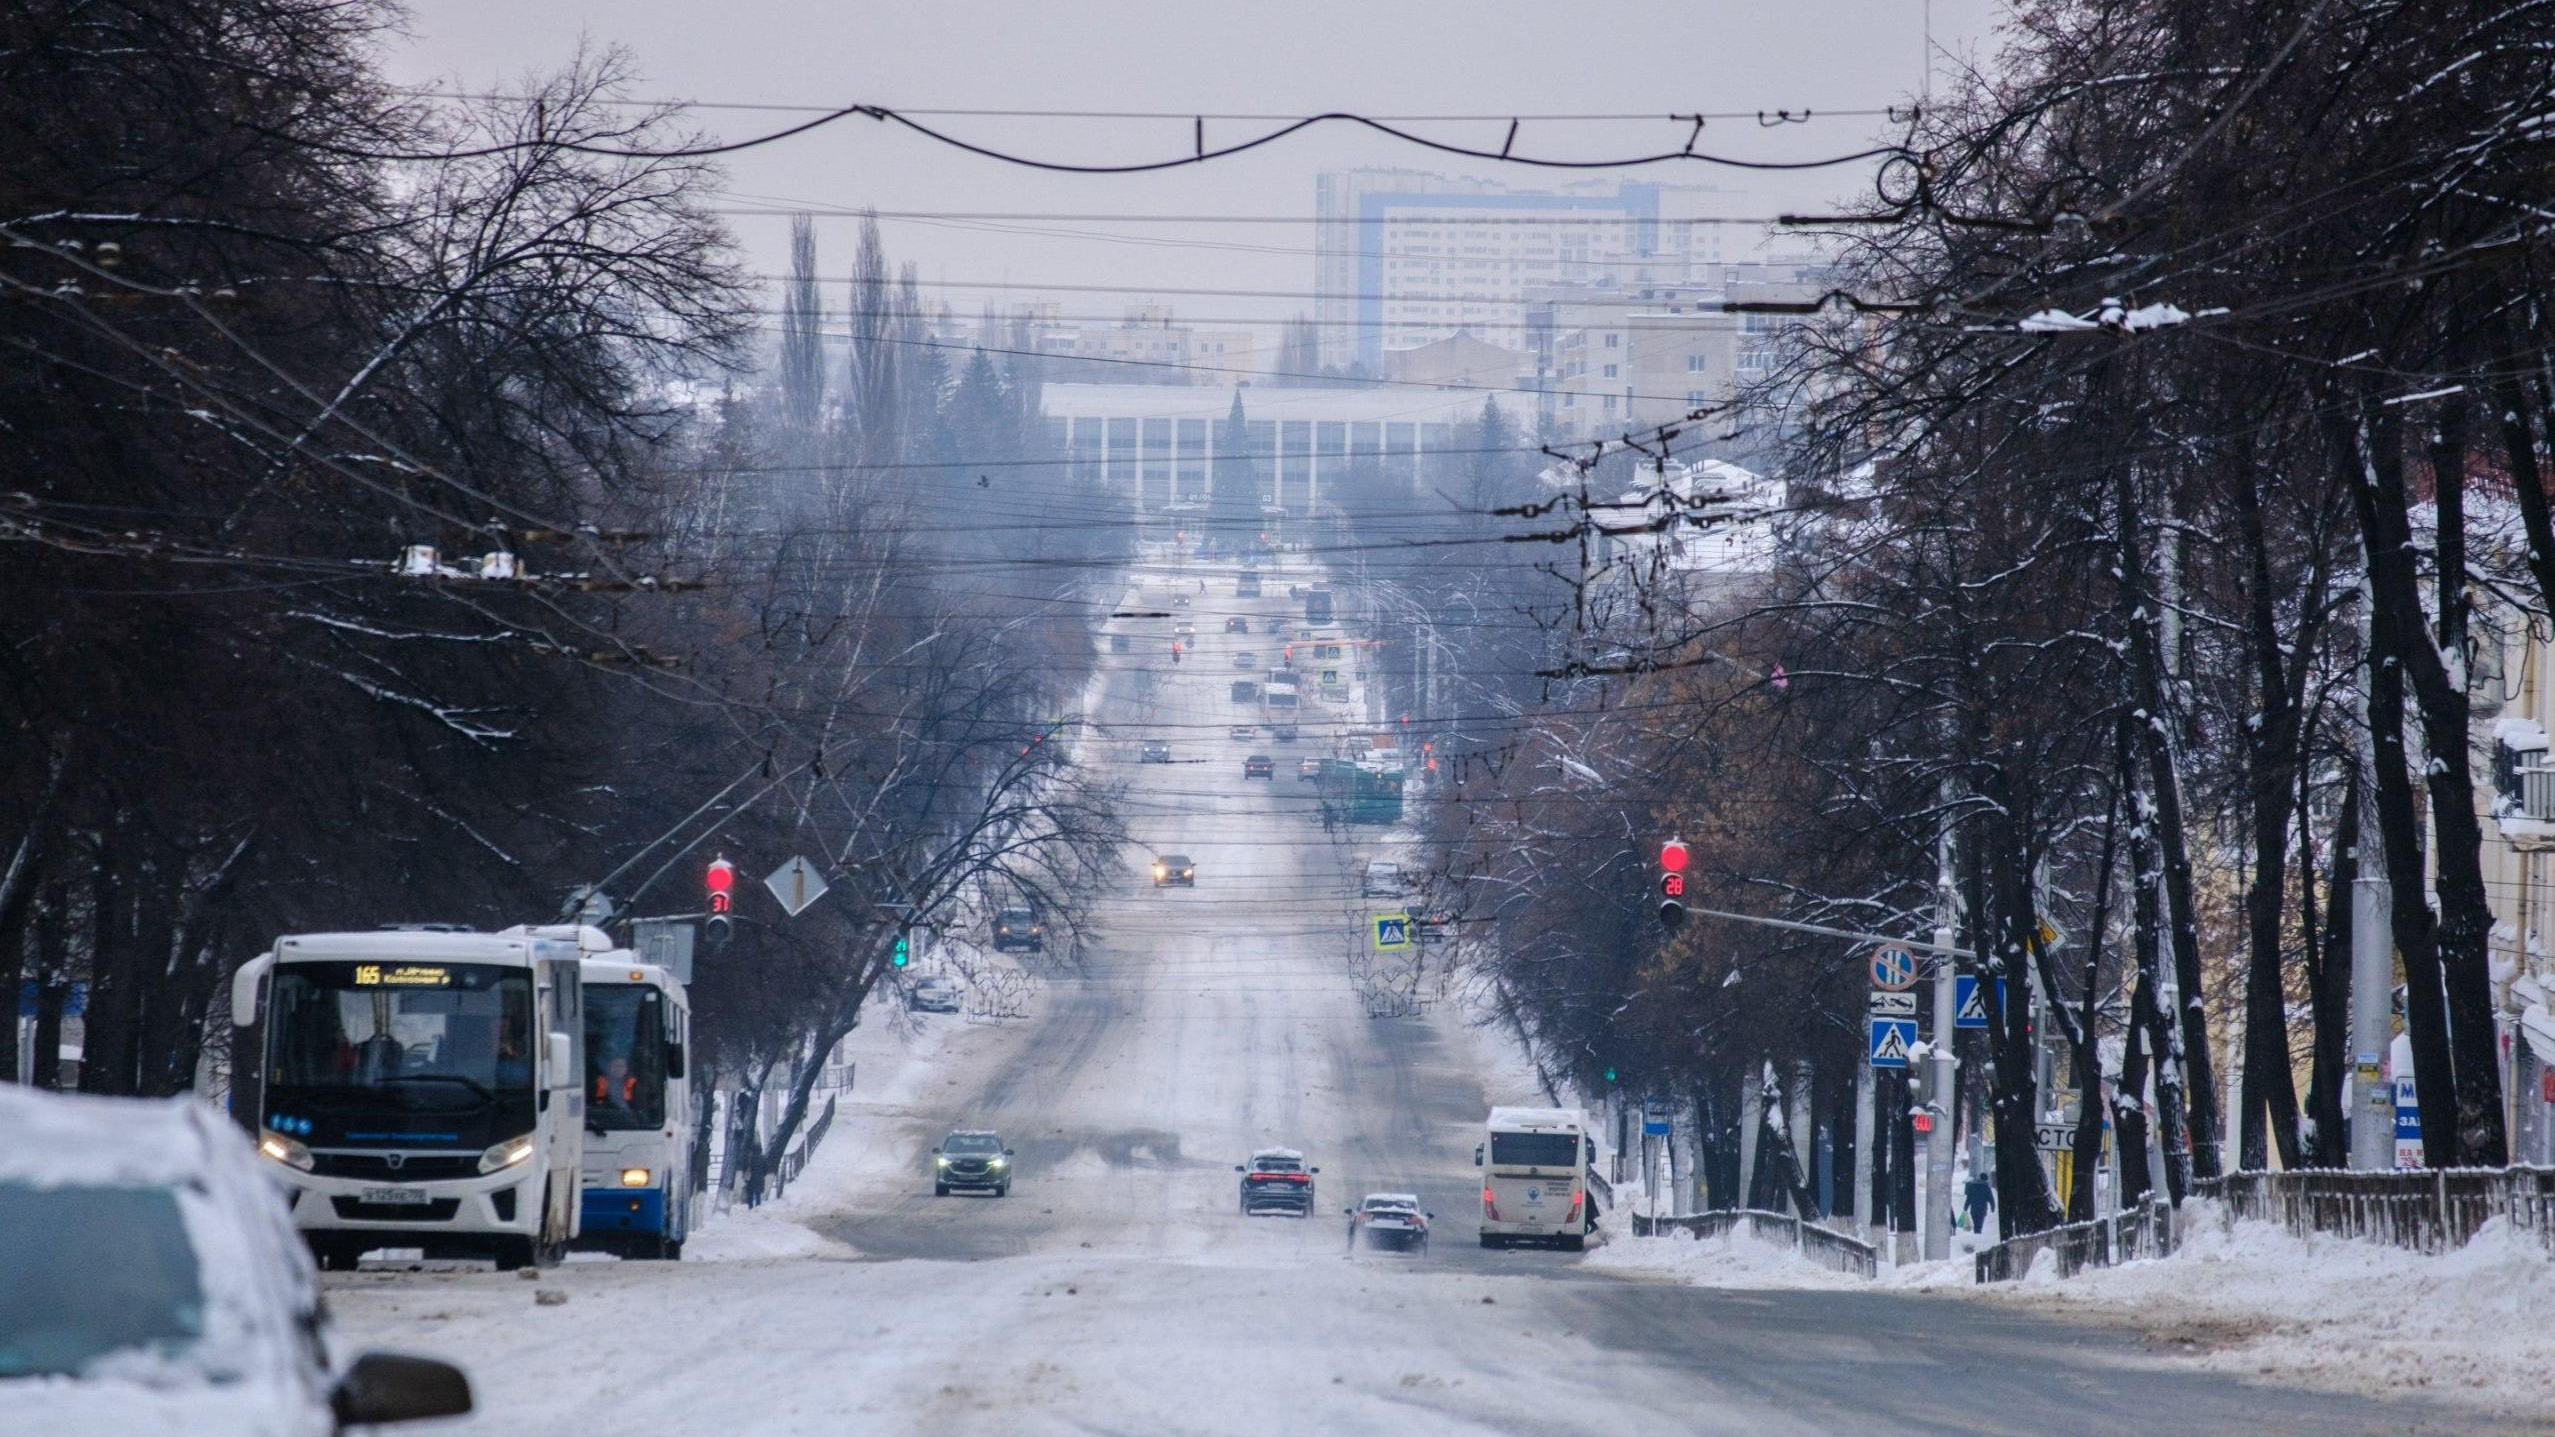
pixel 1979 1195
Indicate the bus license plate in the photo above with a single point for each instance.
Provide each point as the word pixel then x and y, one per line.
pixel 408 1196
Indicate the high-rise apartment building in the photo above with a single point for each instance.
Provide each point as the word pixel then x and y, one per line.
pixel 1406 258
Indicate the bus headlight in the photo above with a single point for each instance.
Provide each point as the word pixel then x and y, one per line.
pixel 512 1152
pixel 634 1177
pixel 284 1150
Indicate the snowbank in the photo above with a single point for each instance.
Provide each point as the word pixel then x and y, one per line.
pixel 1732 1260
pixel 2469 1325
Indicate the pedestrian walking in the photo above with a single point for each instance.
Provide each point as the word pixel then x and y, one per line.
pixel 1979 1195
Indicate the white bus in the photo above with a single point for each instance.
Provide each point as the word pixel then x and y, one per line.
pixel 1534 1165
pixel 640 1118
pixel 423 1088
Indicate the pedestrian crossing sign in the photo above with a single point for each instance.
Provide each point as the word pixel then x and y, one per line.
pixel 1972 1009
pixel 1891 1040
pixel 1392 930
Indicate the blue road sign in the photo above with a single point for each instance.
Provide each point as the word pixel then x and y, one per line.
pixel 1392 930
pixel 1891 1040
pixel 1970 1012
pixel 1893 969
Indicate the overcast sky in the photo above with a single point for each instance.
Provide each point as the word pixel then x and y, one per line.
pixel 1398 57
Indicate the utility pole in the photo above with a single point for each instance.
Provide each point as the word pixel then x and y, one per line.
pixel 2372 1111
pixel 1939 1061
pixel 1863 1151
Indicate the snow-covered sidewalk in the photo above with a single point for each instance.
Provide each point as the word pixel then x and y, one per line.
pixel 2470 1326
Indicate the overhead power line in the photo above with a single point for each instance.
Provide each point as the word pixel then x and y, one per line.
pixel 1767 118
pixel 1198 153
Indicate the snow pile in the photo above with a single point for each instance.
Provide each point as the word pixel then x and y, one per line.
pixel 2469 1325
pixel 1734 1259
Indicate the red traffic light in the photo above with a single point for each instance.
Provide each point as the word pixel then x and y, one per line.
pixel 722 876
pixel 1672 885
pixel 1923 1122
pixel 1672 855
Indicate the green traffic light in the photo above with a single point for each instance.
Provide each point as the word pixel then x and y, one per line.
pixel 902 951
pixel 1610 1075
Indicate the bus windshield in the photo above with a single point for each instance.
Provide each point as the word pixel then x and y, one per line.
pixel 1534 1150
pixel 625 1056
pixel 429 1036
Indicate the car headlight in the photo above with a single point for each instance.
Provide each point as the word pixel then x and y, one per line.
pixel 634 1177
pixel 999 1162
pixel 284 1150
pixel 510 1153
pixel 940 1162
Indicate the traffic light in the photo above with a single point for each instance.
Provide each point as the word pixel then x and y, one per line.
pixel 1672 884
pixel 721 881
pixel 1610 1073
pixel 904 952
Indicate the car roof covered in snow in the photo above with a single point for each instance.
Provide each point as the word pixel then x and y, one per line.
pixel 75 1140
pixel 1408 1200
pixel 1285 1155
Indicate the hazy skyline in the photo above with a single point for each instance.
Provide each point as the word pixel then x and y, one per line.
pixel 1824 56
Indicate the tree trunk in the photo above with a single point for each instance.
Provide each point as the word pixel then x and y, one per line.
pixel 53 983
pixel 2448 993
pixel 2149 1013
pixel 2269 1094
pixel 2196 1070
pixel 2329 973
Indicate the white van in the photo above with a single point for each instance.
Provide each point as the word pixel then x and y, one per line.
pixel 1534 1164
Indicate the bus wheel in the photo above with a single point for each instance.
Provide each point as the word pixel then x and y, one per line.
pixel 516 1253
pixel 671 1249
pixel 1574 1242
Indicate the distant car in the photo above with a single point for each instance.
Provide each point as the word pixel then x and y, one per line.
pixel 1019 928
pixel 1242 733
pixel 154 1284
pixel 1184 629
pixel 1245 691
pixel 1380 880
pixel 971 1158
pixel 1154 751
pixel 1237 625
pixel 933 994
pixel 1259 765
pixel 1282 732
pixel 1180 601
pixel 1276 1180
pixel 1307 770
pixel 1175 869
pixel 1389 1220
pixel 1246 660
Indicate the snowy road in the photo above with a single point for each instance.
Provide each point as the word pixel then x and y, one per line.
pixel 1118 1291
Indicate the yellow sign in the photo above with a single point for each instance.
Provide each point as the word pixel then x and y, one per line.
pixel 406 975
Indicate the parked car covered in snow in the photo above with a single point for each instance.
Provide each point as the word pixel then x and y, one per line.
pixel 152 1285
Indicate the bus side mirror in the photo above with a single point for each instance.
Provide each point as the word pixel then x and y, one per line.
pixel 559 1053
pixel 674 1060
pixel 1477 1155
pixel 248 989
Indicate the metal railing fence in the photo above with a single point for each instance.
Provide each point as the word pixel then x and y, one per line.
pixel 1825 1246
pixel 2147 1230
pixel 2425 1209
